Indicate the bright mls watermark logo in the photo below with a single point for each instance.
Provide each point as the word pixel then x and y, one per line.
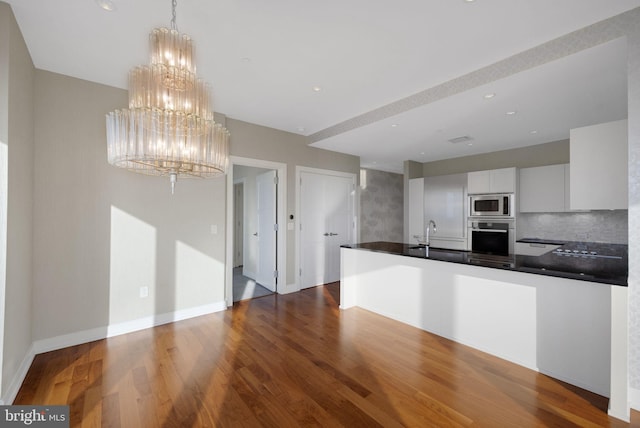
pixel 34 416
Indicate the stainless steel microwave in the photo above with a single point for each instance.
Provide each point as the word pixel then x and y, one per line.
pixel 495 205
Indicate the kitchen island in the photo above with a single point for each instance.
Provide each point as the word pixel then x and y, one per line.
pixel 602 263
pixel 533 314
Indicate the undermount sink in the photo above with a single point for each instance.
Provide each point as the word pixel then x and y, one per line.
pixel 418 247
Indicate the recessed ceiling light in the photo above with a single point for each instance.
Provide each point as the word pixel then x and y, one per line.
pixel 469 144
pixel 489 96
pixel 469 1
pixel 107 5
pixel 316 89
pixel 394 125
pixel 300 128
pixel 511 113
pixel 534 132
pixel 421 153
pixel 245 59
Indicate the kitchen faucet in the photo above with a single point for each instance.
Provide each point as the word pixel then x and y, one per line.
pixel 427 229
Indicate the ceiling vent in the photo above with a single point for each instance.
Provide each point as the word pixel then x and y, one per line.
pixel 463 139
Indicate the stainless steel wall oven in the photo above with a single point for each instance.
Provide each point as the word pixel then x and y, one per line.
pixel 494 237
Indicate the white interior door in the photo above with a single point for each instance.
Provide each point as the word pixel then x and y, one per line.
pixel 326 220
pixel 266 192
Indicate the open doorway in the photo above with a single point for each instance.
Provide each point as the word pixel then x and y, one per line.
pixel 254 234
pixel 256 254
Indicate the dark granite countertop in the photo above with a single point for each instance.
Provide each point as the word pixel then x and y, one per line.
pixel 609 267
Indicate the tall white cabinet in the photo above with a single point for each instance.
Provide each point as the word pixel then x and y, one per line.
pixel 442 199
pixel 599 168
pixel 445 202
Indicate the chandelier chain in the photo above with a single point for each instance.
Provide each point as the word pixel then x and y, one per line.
pixel 174 3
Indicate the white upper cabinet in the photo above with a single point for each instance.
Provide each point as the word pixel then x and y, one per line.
pixel 501 180
pixel 544 189
pixel 599 169
pixel 416 209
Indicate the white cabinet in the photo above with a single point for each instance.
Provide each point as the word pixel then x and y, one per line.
pixel 416 209
pixel 445 202
pixel 599 169
pixel 501 180
pixel 544 189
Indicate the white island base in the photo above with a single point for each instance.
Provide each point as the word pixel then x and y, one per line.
pixel 560 327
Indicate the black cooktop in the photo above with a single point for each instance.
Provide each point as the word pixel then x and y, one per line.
pixel 609 264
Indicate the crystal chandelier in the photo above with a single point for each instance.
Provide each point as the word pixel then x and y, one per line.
pixel 168 128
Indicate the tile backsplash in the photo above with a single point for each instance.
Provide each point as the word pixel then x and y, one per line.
pixel 609 227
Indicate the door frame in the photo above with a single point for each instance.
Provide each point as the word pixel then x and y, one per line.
pixel 281 235
pixel 355 235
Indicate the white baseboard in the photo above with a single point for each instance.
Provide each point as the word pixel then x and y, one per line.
pixel 16 382
pixel 634 398
pixel 84 336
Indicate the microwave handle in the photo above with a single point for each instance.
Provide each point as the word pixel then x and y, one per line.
pixel 490 230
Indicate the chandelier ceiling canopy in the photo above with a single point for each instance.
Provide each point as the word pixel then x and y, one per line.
pixel 169 127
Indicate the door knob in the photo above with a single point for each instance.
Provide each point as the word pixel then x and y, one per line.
pixel 327 234
pixel 255 234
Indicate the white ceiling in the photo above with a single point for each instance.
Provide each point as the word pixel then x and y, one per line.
pixel 263 59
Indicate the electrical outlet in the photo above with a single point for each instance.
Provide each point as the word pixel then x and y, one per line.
pixel 214 229
pixel 144 292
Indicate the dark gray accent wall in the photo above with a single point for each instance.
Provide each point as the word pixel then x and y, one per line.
pixel 381 206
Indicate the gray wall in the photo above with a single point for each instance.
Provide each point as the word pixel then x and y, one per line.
pixel 381 206
pixel 101 232
pixel 525 157
pixel 17 79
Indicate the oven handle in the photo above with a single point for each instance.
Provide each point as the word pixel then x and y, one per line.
pixel 490 230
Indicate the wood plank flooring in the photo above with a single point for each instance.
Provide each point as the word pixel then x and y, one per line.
pixel 297 360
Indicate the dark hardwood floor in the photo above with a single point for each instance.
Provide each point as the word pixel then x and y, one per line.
pixel 297 360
